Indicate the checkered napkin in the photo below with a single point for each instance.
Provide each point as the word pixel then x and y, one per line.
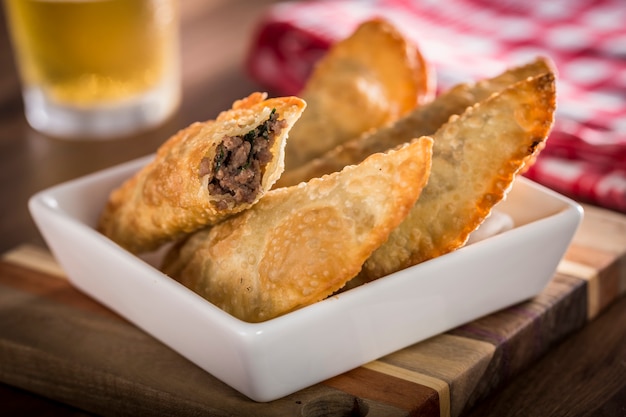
pixel 466 40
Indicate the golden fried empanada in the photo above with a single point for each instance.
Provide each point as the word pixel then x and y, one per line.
pixel 364 81
pixel 475 159
pixel 300 244
pixel 423 120
pixel 203 174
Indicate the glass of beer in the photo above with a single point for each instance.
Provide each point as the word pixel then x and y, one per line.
pixel 96 68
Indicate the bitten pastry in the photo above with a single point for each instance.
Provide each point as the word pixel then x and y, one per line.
pixel 300 244
pixel 203 174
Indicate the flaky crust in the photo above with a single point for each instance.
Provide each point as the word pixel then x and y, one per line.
pixel 364 81
pixel 167 198
pixel 476 157
pixel 300 244
pixel 424 120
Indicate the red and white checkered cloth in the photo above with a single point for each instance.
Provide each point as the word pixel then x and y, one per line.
pixel 466 40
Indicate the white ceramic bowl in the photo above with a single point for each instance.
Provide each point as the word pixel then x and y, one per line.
pixel 268 360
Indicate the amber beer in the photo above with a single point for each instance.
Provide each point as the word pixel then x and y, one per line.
pixel 86 57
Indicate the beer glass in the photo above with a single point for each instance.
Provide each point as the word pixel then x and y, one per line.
pixel 96 68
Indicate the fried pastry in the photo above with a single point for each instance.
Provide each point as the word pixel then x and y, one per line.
pixel 203 174
pixel 300 244
pixel 476 157
pixel 364 81
pixel 423 120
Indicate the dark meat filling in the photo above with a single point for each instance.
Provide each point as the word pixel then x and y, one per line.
pixel 240 162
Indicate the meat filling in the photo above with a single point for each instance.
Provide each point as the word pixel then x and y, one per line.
pixel 240 162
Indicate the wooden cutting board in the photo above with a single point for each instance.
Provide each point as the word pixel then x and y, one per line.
pixel 58 342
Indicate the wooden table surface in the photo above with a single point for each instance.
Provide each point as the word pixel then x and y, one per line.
pixel 584 375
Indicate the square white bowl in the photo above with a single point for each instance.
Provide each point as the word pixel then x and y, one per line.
pixel 269 360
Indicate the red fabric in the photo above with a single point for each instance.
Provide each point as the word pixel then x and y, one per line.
pixel 466 40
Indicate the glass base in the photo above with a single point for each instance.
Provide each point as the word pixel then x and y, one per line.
pixel 104 121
